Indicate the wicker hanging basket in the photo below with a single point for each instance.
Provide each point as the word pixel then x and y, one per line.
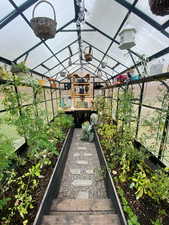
pixel 88 54
pixel 44 27
pixel 159 7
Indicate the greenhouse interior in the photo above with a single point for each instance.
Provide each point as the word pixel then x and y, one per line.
pixel 84 112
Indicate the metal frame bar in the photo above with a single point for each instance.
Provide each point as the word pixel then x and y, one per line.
pixel 107 55
pixel 112 39
pixel 143 16
pixel 26 20
pixel 117 33
pixel 8 18
pixel 62 62
pixel 67 46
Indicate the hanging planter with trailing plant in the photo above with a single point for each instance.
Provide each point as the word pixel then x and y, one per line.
pixel 44 27
pixel 159 7
pixel 88 53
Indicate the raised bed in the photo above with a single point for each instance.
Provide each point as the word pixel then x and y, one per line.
pixel 53 187
pixel 110 186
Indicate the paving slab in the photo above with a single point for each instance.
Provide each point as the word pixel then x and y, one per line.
pixel 75 171
pixel 82 183
pixel 82 162
pixel 88 154
pixel 83 195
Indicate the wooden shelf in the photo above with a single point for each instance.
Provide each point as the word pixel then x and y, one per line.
pixel 81 95
pixel 78 109
pixel 81 84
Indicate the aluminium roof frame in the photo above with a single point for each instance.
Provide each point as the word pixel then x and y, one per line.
pixel 18 11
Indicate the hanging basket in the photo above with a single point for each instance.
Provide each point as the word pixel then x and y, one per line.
pixel 44 27
pixel 88 54
pixel 159 7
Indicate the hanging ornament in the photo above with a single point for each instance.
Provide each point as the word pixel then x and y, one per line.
pixel 99 73
pixel 88 53
pixel 127 37
pixel 70 62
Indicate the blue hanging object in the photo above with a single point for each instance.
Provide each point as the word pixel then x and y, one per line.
pixel 135 77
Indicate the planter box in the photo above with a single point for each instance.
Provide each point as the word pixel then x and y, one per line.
pixel 53 187
pixel 110 187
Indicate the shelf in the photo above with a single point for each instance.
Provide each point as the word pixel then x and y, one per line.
pixel 81 84
pixel 81 95
pixel 78 109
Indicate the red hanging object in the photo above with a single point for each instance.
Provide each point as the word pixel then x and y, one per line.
pixel 159 7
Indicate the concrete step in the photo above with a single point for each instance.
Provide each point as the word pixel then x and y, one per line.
pixel 68 219
pixel 79 205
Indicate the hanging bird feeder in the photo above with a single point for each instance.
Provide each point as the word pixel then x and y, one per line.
pixel 62 73
pixel 159 7
pixel 99 73
pixel 127 37
pixel 88 54
pixel 44 27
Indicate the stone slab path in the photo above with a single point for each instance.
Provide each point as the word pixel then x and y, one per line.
pixel 82 178
pixel 82 199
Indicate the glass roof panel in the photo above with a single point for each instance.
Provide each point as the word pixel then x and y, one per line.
pixel 19 2
pixel 145 8
pixel 6 8
pixel 120 55
pixel 13 43
pixel 41 69
pixel 38 55
pixel 52 62
pixel 96 39
pixel 148 39
pixel 107 16
pixel 61 40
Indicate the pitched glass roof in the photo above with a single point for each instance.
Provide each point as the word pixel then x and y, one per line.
pixel 103 22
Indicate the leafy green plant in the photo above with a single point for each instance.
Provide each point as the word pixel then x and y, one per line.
pixel 160 185
pixel 141 183
pixel 132 218
pixel 20 67
pixel 87 132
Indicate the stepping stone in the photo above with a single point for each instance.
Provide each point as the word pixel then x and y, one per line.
pixel 83 195
pixel 89 171
pixel 75 171
pixel 82 162
pixel 82 183
pixel 88 154
pixel 81 148
pixel 76 154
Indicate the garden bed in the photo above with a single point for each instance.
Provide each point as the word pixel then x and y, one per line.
pixel 37 193
pixel 145 210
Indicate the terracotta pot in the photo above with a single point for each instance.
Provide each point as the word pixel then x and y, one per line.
pixel 41 82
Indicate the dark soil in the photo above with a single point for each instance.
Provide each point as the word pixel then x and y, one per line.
pixel 146 209
pixel 37 194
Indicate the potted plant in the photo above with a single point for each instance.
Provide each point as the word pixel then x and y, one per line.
pixel 4 74
pixel 19 68
pixel 42 82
